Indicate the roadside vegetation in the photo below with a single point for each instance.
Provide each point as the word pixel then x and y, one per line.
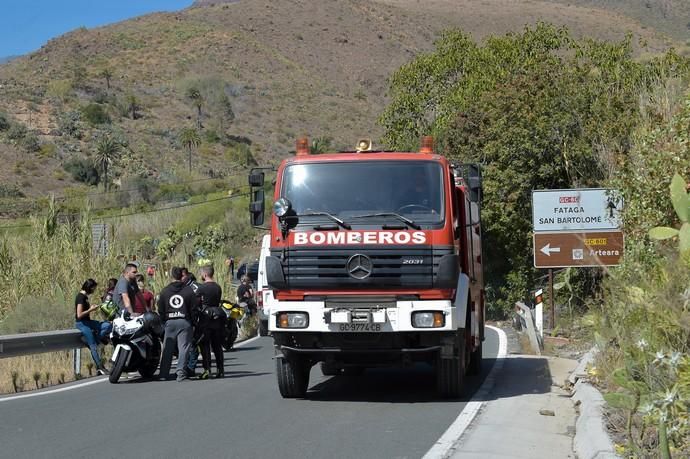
pixel 541 109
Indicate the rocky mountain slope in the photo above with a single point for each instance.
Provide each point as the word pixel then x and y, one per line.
pixel 265 71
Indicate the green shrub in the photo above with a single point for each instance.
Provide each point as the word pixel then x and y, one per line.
pixel 4 122
pixel 69 123
pixel 48 150
pixel 60 89
pixel 31 143
pixel 13 191
pixel 538 109
pixel 95 114
pixel 17 131
pixel 83 170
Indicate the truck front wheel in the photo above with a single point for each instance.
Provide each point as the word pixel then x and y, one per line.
pixel 450 374
pixel 293 377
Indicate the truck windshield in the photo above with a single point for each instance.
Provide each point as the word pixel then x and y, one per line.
pixel 413 189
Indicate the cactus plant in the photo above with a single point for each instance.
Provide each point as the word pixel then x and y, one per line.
pixel 681 204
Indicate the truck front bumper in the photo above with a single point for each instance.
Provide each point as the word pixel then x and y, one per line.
pixel 363 317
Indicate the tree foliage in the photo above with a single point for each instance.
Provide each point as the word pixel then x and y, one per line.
pixel 83 170
pixel 537 110
pixel 190 139
pixel 107 150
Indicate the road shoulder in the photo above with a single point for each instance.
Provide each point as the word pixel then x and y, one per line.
pixel 527 414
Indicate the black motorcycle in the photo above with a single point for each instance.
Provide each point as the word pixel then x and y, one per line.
pixel 137 342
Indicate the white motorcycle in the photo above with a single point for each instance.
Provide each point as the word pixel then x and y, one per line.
pixel 137 342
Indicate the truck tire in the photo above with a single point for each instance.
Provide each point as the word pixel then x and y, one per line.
pixel 328 369
pixel 450 373
pixel 475 366
pixel 118 367
pixel 293 377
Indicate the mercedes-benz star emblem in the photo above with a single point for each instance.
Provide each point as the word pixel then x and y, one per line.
pixel 359 266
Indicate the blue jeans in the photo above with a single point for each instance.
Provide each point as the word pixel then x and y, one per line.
pixel 93 332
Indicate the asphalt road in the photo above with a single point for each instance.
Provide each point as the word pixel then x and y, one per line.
pixel 385 413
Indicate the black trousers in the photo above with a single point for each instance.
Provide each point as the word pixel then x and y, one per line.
pixel 213 334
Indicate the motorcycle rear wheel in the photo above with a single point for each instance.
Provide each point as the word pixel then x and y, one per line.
pixel 147 370
pixel 231 332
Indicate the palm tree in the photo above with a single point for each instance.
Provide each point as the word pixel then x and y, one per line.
pixel 190 138
pixel 107 150
pixel 197 99
pixel 320 145
pixel 107 74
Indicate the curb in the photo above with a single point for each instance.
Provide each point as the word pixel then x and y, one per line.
pixel 591 440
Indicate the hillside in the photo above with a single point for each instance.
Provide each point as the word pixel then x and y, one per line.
pixel 267 72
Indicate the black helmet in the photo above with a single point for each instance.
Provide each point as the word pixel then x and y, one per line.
pixel 153 323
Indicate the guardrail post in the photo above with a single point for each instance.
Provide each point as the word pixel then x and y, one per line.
pixel 77 361
pixel 526 313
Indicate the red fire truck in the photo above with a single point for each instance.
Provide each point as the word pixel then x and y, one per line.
pixel 375 259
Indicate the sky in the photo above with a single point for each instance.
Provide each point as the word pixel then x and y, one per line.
pixel 25 25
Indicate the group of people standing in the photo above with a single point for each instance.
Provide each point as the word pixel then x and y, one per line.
pixel 194 320
pixel 190 311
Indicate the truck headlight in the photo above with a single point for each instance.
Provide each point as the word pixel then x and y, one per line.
pixel 292 320
pixel 281 207
pixel 428 319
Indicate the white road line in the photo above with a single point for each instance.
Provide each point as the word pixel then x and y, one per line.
pixel 54 391
pixel 443 445
pixel 87 383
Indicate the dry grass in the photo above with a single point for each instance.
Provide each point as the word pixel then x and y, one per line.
pixel 19 374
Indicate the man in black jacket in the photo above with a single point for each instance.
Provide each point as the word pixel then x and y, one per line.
pixel 175 306
pixel 211 322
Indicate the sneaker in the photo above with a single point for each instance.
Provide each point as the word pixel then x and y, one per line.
pixel 219 375
pixel 190 373
pixel 181 378
pixel 103 371
pixel 204 375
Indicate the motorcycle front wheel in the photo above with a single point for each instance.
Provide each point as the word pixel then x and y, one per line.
pixel 119 366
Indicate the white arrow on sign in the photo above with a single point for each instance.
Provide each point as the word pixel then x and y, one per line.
pixel 548 250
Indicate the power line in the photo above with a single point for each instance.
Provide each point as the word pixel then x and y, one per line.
pixel 171 208
pixel 144 211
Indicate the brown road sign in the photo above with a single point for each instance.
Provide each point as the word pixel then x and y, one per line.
pixel 563 250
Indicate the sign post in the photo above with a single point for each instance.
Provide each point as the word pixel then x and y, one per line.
pixel 576 228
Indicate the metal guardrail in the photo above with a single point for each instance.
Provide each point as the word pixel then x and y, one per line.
pixel 37 343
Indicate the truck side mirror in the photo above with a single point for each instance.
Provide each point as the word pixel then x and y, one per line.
pixel 474 182
pixel 257 207
pixel 256 179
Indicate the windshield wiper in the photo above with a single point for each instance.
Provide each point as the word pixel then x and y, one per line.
pixel 403 219
pixel 331 217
